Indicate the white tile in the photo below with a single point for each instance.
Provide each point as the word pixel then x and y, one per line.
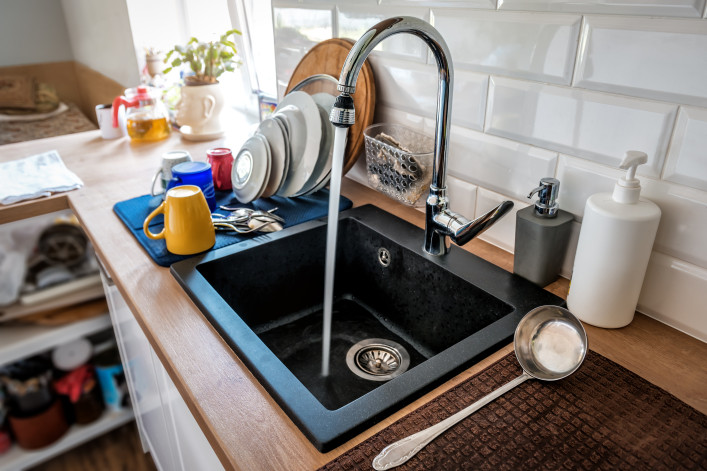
pixel 683 222
pixel 580 179
pixel 682 232
pixel 355 19
pixel 687 157
pixel 502 234
pixel 469 99
pixel 499 164
pixel 593 125
pixel 488 4
pixel 525 45
pixel 675 292
pixel 386 114
pixel 412 87
pixel 462 196
pixel 681 8
pixel 658 58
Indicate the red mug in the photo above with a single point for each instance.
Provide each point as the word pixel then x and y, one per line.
pixel 221 160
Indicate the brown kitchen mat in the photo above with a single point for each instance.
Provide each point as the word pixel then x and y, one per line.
pixel 601 417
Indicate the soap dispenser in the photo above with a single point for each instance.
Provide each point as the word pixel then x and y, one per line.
pixel 542 233
pixel 615 244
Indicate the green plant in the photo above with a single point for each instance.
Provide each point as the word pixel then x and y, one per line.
pixel 208 60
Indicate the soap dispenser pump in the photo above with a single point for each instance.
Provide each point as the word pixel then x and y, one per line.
pixel 615 244
pixel 542 233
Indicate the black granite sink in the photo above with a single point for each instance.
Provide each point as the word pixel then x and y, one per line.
pixel 265 298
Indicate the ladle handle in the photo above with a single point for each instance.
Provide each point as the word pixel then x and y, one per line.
pixel 401 451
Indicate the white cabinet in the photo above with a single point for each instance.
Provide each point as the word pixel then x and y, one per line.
pixel 167 429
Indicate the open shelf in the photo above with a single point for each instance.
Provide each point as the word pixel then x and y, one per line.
pixel 21 341
pixel 16 458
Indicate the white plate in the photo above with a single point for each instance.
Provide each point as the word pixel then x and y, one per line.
pixel 281 121
pixel 325 102
pixel 272 131
pixel 296 136
pixel 251 169
pixel 302 167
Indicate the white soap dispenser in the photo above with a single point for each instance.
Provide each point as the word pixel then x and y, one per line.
pixel 615 244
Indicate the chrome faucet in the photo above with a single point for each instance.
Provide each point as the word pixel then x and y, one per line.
pixel 440 221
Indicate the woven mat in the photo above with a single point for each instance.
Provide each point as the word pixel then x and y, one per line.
pixel 601 417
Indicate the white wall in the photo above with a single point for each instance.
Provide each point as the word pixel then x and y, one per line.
pixel 33 31
pixel 551 88
pixel 101 38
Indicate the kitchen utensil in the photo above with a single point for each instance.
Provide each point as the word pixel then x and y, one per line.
pixel 145 114
pixel 272 131
pixel 164 173
pixel 187 221
pixel 198 174
pixel 328 58
pixel 251 169
pixel 550 344
pixel 294 123
pixel 104 116
pixel 302 167
pixel 322 169
pixel 221 160
pixel 398 161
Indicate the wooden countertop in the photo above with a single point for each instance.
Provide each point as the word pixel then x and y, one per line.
pixel 242 422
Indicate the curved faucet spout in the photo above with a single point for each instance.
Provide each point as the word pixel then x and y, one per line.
pixel 440 222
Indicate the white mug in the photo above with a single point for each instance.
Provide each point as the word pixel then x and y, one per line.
pixel 104 115
pixel 164 173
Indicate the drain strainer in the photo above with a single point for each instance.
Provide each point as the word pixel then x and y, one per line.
pixel 378 359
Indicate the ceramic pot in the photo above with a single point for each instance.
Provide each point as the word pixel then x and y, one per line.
pixel 199 109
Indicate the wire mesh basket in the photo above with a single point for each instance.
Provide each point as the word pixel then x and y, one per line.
pixel 398 161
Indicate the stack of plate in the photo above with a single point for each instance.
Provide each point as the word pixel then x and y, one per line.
pixel 290 153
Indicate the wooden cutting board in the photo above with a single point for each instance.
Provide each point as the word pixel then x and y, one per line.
pixel 328 57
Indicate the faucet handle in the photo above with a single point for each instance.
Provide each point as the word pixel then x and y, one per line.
pixel 546 206
pixel 462 231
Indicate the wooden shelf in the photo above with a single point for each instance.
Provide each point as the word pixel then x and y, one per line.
pixel 16 458
pixel 21 341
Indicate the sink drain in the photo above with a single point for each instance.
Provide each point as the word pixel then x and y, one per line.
pixel 378 359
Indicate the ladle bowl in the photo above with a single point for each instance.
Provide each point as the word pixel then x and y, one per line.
pixel 550 344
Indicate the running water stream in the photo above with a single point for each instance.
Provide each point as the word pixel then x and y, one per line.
pixel 332 226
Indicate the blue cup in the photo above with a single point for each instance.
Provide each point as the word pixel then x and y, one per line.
pixel 195 173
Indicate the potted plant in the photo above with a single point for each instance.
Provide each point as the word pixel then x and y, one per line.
pixel 201 98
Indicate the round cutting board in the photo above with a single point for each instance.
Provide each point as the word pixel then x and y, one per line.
pixel 328 57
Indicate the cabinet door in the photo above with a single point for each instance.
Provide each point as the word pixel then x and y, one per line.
pixel 137 357
pixel 194 449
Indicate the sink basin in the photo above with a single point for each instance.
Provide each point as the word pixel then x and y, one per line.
pixel 265 296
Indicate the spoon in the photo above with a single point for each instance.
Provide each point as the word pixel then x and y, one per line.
pixel 550 344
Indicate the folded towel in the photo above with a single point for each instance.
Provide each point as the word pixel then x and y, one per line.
pixel 34 177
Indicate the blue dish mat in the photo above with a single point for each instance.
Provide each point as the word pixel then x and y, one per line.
pixel 294 210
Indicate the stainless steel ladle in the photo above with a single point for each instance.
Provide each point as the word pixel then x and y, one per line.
pixel 550 344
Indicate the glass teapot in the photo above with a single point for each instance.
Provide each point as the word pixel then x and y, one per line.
pixel 145 115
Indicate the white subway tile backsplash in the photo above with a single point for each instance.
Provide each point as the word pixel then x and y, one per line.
pixel 487 4
pixel 596 126
pixel 676 8
pixel 658 58
pixel 675 292
pixel 580 179
pixel 499 164
pixel 413 87
pixel 503 233
pixel 687 158
pixel 462 196
pixel 524 45
pixel 354 19
pixel 683 222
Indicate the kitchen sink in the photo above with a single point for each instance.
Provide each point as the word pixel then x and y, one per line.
pixel 417 318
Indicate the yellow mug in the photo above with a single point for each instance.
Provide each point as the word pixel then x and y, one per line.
pixel 187 221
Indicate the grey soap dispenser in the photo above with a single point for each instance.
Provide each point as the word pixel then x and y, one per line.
pixel 542 233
